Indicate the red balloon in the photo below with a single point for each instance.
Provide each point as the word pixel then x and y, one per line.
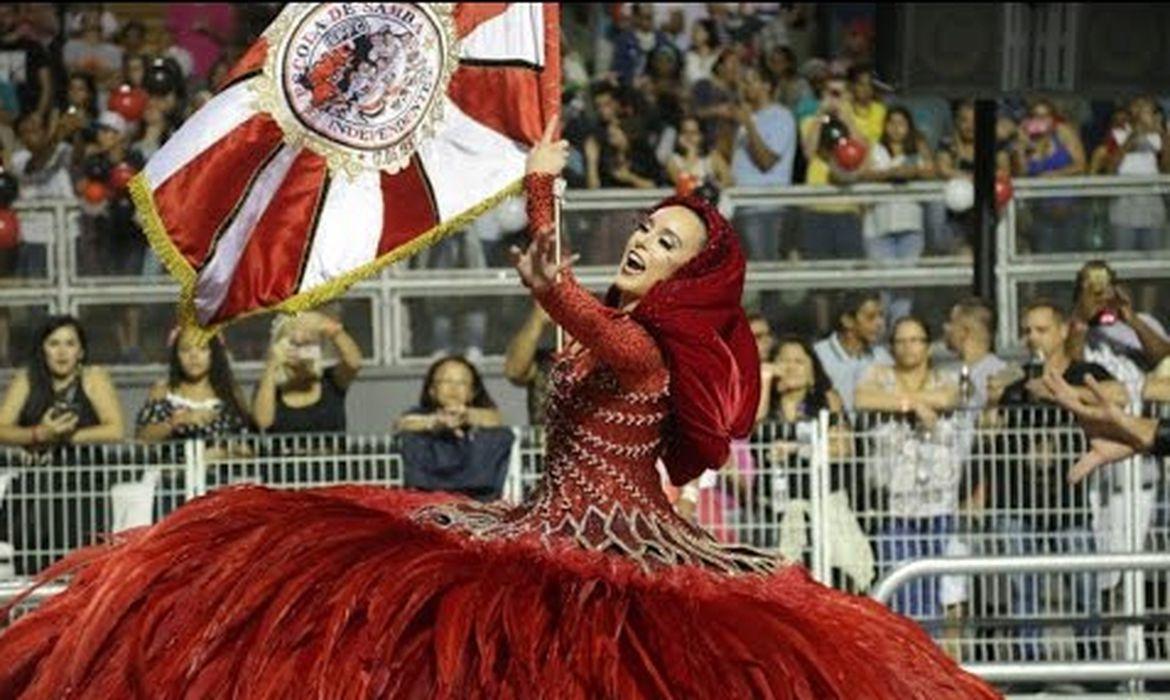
pixel 120 175
pixel 9 229
pixel 128 101
pixel 94 192
pixel 849 153
pixel 686 184
pixel 1003 190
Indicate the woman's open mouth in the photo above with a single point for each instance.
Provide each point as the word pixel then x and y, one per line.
pixel 633 264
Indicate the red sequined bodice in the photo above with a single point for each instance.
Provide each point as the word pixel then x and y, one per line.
pixel 607 417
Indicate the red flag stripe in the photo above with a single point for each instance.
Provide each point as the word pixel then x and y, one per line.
pixel 477 90
pixel 408 206
pixel 469 15
pixel 196 202
pixel 271 263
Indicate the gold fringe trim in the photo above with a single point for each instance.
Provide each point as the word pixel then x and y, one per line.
pixel 172 258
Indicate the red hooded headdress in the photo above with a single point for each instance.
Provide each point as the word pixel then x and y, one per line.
pixel 697 319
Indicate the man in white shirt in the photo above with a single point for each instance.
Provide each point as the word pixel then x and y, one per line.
pixel 855 344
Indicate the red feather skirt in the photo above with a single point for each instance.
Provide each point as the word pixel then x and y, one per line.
pixel 339 593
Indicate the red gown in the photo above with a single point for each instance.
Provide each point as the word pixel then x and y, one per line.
pixel 594 588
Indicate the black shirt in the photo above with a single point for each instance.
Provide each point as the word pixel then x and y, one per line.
pixel 1017 395
pixel 1028 461
pixel 325 416
pixel 71 398
pixel 21 60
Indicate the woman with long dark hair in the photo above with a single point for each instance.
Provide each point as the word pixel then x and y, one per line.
pixel 199 398
pixel 801 388
pixel 58 398
pixel 594 587
pixel 452 440
pixel 59 502
pixel 453 398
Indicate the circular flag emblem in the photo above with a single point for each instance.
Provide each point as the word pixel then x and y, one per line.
pixel 361 83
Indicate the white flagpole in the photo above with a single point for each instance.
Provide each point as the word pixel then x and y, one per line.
pixel 558 200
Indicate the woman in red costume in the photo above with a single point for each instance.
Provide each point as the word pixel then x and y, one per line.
pixel 594 588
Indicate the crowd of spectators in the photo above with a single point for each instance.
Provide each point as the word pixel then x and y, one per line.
pixel 745 95
pixel 642 77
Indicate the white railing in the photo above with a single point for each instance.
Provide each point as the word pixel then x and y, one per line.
pixel 396 311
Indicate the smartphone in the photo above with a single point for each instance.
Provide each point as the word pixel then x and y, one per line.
pixel 61 409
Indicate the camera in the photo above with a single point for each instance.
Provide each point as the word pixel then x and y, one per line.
pixel 1035 127
pixel 1104 317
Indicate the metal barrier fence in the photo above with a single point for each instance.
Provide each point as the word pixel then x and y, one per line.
pixel 852 499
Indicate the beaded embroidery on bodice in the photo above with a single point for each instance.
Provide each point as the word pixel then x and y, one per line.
pixel 606 415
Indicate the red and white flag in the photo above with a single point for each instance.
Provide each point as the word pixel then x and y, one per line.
pixel 350 136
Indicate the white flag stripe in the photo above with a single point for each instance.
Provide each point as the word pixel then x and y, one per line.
pixel 516 34
pixel 217 119
pixel 216 277
pixel 487 162
pixel 348 230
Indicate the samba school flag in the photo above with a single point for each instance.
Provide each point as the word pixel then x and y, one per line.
pixel 350 136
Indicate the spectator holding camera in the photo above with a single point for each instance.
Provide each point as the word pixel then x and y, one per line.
pixel 298 393
pixel 830 230
pixel 57 402
pixel 59 399
pixel 1137 221
pixel 1107 330
pixel 1048 147
pixel 78 113
pixel 1046 334
pixel 1035 509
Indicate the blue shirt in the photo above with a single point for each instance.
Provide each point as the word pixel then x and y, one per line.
pixel 778 130
pixel 844 369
